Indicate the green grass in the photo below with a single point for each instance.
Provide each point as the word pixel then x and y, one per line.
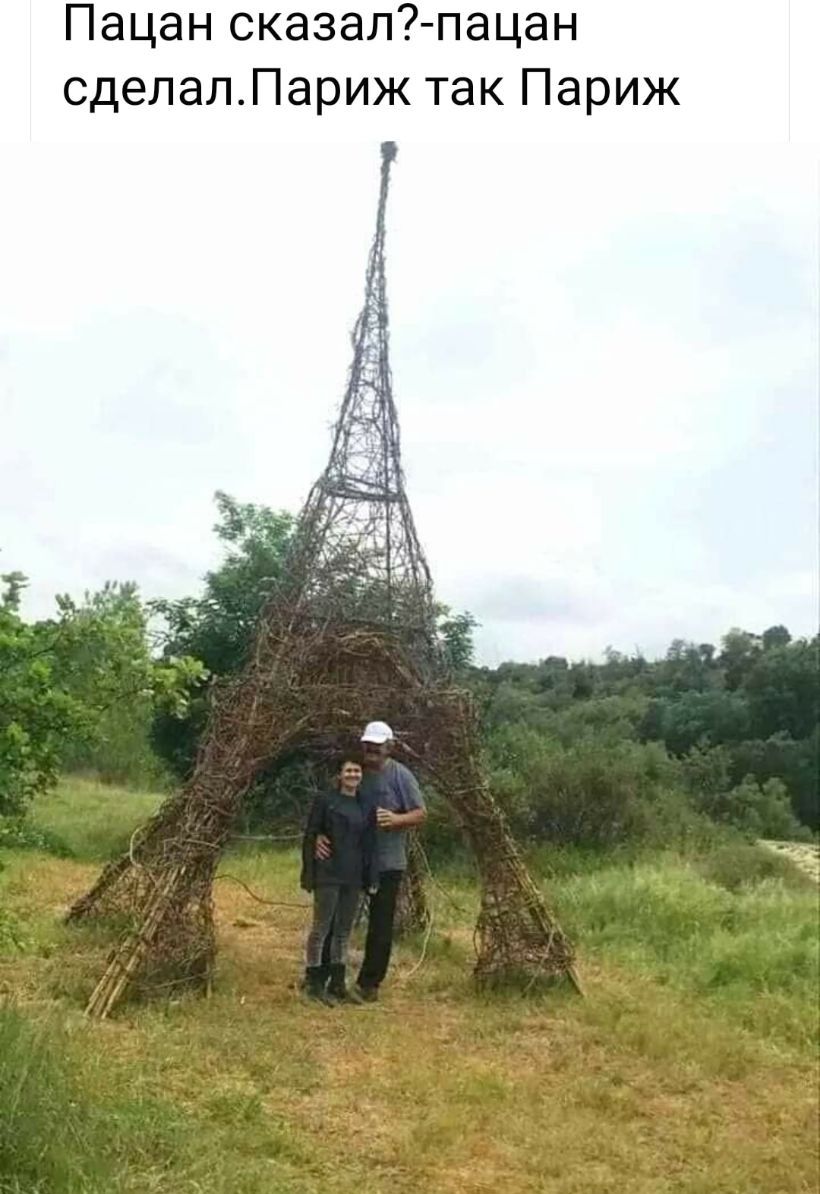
pixel 750 953
pixel 58 1136
pixel 687 1069
pixel 49 1137
pixel 92 819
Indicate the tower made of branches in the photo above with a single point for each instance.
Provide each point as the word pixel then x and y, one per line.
pixel 349 635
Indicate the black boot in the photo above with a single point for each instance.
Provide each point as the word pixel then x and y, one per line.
pixel 314 984
pixel 323 973
pixel 337 987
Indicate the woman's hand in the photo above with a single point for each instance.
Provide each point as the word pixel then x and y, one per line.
pixel 322 849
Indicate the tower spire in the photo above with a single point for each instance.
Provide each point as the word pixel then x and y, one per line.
pixel 359 555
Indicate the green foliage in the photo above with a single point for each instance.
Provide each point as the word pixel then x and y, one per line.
pixel 36 718
pixel 21 833
pixel 756 701
pixel 590 794
pixel 763 810
pixel 782 690
pixel 752 950
pixel 100 656
pixel 79 691
pixel 12 936
pixel 797 763
pixel 216 628
pixel 709 718
pixel 740 651
pixel 759 809
pixel 741 863
pixel 456 634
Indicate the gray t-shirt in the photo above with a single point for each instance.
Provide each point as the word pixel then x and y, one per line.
pixel 393 787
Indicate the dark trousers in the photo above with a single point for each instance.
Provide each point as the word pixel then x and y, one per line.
pixel 379 942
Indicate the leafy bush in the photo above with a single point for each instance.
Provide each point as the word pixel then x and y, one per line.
pixel 35 718
pixel 19 833
pixel 732 866
pixel 762 809
pixel 759 809
pixel 591 794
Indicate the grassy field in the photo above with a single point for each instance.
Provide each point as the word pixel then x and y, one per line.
pixel 688 1068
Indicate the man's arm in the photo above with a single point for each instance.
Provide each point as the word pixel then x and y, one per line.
pixel 415 813
pixel 389 820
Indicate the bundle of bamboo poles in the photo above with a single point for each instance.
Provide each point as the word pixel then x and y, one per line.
pixel 131 952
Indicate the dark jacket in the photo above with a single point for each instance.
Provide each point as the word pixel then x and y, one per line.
pixel 350 823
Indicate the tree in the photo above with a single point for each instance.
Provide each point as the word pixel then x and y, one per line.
pixel 775 636
pixel 687 667
pixel 456 635
pixel 781 687
pixel 217 627
pixel 760 809
pixel 708 718
pixel 797 763
pixel 36 719
pixel 100 655
pixel 739 652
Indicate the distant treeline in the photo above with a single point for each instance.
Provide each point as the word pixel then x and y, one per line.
pixel 731 730
pixel 579 752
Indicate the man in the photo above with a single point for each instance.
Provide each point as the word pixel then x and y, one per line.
pixel 393 789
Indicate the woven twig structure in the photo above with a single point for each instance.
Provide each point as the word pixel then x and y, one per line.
pixel 350 635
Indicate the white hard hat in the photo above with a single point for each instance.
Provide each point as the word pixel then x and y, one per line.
pixel 378 732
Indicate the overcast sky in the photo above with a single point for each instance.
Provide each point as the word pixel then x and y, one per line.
pixel 605 364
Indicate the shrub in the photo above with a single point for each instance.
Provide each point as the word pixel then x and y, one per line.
pixel 589 794
pixel 732 866
pixel 761 810
pixel 19 833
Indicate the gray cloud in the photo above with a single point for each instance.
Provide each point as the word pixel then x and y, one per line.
pixel 607 388
pixel 530 598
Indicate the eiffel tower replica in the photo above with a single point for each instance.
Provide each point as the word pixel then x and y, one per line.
pixel 348 636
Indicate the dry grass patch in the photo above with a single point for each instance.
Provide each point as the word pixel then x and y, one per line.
pixel 652 1084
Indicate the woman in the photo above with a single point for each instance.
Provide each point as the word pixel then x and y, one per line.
pixel 337 881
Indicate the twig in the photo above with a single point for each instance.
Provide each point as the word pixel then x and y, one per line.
pixel 417 966
pixel 249 837
pixel 259 899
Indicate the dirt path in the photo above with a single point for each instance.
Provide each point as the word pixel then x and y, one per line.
pixel 804 855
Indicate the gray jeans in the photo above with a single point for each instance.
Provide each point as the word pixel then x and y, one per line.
pixel 332 904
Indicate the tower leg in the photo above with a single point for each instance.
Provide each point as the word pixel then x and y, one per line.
pixel 517 938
